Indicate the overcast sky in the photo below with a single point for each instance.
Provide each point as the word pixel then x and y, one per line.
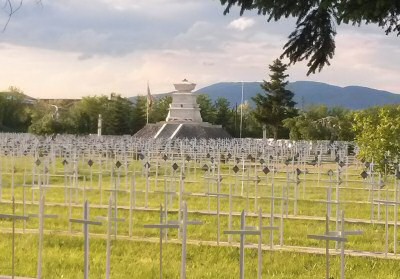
pixel 75 48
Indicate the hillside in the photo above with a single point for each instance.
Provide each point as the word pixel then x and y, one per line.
pixel 308 93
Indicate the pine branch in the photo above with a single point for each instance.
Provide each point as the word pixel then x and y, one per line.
pixel 313 39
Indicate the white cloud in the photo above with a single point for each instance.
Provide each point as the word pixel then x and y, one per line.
pixel 242 23
pixel 79 47
pixel 362 58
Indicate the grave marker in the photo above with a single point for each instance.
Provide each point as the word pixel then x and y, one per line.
pixel 162 226
pixel 109 219
pixel 13 217
pixel 85 222
pixel 41 216
pixel 339 236
pixel 242 232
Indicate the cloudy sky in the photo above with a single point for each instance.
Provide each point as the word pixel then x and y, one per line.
pixel 75 48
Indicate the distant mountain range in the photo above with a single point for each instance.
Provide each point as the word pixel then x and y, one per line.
pixel 307 93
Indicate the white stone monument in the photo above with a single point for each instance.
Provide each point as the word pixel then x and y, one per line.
pixel 184 107
pixel 184 118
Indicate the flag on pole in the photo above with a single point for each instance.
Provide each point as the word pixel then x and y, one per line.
pixel 149 97
pixel 149 102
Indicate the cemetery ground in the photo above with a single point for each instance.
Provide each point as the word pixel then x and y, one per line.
pixel 299 196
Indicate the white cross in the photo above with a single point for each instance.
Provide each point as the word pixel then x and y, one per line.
pixel 13 217
pixel 242 232
pixel 161 226
pixel 109 219
pixel 387 203
pixel 218 194
pixel 327 237
pixel 115 194
pixel 343 233
pixel 86 222
pixel 260 228
pixel 183 226
pixel 339 236
pixel 41 217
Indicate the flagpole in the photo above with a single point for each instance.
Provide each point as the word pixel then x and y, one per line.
pixel 241 113
pixel 147 103
pixel 147 112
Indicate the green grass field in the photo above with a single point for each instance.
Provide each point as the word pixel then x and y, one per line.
pixel 138 256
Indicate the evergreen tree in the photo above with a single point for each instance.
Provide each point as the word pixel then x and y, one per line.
pixel 120 113
pixel 159 109
pixel 207 109
pixel 223 114
pixel 276 104
pixel 139 113
pixel 85 115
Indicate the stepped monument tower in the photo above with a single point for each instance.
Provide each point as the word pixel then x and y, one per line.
pixel 184 118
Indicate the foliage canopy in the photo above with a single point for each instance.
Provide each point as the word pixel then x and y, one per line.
pixel 378 135
pixel 321 123
pixel 313 37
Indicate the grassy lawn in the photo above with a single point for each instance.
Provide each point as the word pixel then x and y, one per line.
pixel 131 258
pixel 63 258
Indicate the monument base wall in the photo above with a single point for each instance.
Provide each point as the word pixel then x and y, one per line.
pixel 174 130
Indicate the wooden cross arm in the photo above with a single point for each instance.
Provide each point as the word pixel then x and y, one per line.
pixel 216 195
pixel 161 226
pixel 243 232
pixel 87 222
pixel 15 217
pixel 327 237
pixel 386 202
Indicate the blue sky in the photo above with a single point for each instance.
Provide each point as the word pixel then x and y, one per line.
pixel 75 48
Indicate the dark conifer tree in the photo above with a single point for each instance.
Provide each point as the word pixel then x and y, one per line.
pixel 139 113
pixel 276 103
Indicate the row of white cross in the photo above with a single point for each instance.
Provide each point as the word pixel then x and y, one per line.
pixel 338 236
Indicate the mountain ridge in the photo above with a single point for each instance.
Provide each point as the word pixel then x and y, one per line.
pixel 306 93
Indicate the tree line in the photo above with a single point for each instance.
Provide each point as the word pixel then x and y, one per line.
pixel 274 111
pixel 120 116
pixel 376 130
